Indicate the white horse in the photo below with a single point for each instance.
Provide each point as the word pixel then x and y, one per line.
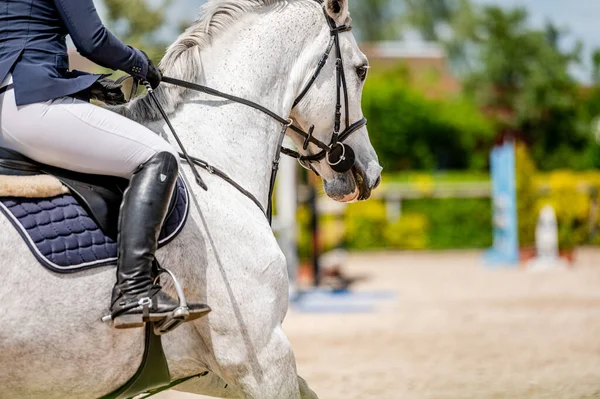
pixel 52 343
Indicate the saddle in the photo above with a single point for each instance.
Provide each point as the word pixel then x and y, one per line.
pixel 100 196
pixel 75 230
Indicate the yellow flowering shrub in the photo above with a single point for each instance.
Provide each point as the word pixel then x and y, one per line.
pixel 408 232
pixel 569 194
pixel 367 227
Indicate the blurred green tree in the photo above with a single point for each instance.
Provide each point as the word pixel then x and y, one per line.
pixel 136 23
pixel 376 19
pixel 451 22
pixel 410 131
pixel 521 78
pixel 592 109
pixel 596 67
pixel 518 74
pixel 429 17
pixel 593 95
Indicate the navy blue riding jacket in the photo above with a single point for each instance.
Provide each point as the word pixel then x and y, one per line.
pixel 33 47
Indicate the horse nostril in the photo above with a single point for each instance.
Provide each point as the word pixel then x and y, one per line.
pixel 377 183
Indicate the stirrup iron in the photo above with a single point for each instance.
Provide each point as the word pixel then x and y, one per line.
pixel 179 315
pixel 174 320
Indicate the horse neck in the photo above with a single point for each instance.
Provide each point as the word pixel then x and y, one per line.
pixel 266 59
pixel 252 60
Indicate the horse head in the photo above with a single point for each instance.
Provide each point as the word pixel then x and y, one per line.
pixel 339 84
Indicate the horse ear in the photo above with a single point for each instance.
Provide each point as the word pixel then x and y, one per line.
pixel 338 10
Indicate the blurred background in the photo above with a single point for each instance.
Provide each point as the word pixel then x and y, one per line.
pixel 448 283
pixel 449 80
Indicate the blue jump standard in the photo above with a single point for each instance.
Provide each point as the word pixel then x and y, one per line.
pixel 322 300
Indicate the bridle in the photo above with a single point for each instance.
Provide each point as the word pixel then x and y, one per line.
pixel 341 157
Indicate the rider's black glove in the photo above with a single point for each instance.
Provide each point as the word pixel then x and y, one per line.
pixel 154 76
pixel 108 91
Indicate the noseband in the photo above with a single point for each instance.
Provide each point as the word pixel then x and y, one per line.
pixel 339 156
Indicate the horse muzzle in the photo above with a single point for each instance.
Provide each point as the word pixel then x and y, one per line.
pixel 367 179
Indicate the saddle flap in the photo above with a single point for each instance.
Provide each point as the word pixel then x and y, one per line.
pixel 102 204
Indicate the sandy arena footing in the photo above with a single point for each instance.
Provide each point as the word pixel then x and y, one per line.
pixel 456 330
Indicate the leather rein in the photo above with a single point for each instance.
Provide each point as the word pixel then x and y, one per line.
pixel 339 156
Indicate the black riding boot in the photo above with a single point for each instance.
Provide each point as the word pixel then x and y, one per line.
pixel 135 298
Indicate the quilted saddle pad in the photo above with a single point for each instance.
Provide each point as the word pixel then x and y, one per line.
pixel 65 239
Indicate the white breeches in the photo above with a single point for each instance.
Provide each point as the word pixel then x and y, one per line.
pixel 75 135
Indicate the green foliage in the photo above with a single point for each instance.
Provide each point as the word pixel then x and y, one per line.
pixel 450 22
pixel 426 16
pixel 375 19
pixel 424 224
pixel 522 80
pixel 455 223
pixel 438 177
pixel 304 238
pixel 410 131
pixel 367 227
pixel 408 232
pixel 596 66
pixel 518 74
pixel 136 23
pixel 527 196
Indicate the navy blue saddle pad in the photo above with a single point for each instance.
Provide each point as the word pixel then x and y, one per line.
pixel 65 239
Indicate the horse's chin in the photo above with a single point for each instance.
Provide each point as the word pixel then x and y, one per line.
pixel 356 187
pixel 350 197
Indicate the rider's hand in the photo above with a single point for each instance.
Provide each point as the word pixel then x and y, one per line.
pixel 107 91
pixel 154 76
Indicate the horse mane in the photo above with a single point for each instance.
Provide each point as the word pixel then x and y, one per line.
pixel 182 58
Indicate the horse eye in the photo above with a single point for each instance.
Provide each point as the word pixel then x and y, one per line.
pixel 362 72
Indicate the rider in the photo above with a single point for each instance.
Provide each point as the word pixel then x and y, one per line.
pixel 45 115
